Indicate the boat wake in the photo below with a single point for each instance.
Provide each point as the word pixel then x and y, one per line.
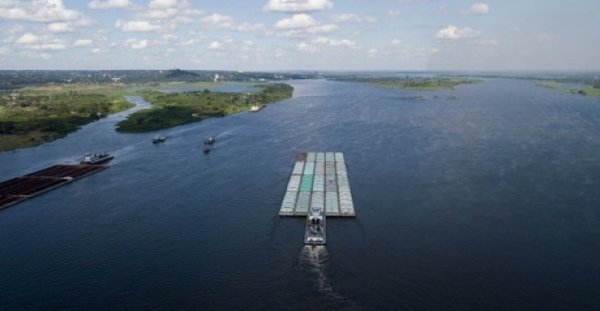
pixel 314 259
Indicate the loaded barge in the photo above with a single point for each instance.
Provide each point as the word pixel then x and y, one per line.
pixel 18 189
pixel 318 188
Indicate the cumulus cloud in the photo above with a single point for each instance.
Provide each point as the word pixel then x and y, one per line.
pixel 138 26
pixel 336 42
pixel 60 27
pixel 297 6
pixel 136 44
pixel 108 4
pixel 215 45
pixel 305 47
pixel 34 42
pixel 28 38
pixel 218 21
pixel 350 17
pixel 302 24
pixel 162 4
pixel 296 21
pixel 478 9
pixel 83 42
pixel 44 11
pixel 454 33
pixel 167 13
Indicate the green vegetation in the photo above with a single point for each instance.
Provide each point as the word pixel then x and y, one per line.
pixel 32 116
pixel 412 83
pixel 180 108
pixel 586 90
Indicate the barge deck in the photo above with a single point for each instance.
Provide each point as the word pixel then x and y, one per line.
pixel 319 179
pixel 18 189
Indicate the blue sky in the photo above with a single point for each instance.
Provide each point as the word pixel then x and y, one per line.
pixel 300 34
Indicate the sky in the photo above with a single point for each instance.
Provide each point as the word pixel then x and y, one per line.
pixel 301 34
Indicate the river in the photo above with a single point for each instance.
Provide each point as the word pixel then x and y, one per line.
pixel 482 198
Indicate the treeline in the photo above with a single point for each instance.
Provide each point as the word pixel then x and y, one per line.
pixel 11 79
pixel 409 82
pixel 55 114
pixel 172 109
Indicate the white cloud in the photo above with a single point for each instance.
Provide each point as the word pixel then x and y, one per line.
pixel 296 21
pixel 478 9
pixel 160 14
pixel 373 51
pixel 28 38
pixel 34 42
pixel 138 26
pixel 60 27
pixel 305 47
pixel 297 6
pixel 44 11
pixel 215 45
pixel 335 42
pixel 162 4
pixel 83 42
pixel 350 17
pixel 321 28
pixel 218 20
pixel 454 33
pixel 108 4
pixel 137 44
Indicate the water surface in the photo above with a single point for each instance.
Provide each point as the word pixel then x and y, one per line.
pixel 487 202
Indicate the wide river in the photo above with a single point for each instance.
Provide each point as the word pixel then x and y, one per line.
pixel 482 198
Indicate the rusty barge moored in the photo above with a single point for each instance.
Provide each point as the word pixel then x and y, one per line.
pixel 18 189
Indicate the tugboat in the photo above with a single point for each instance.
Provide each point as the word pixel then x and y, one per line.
pixel 209 140
pixel 158 139
pixel 315 227
pixel 96 158
pixel 256 108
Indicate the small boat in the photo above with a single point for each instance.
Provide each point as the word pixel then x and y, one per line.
pixel 206 150
pixel 256 108
pixel 96 158
pixel 158 139
pixel 209 140
pixel 315 227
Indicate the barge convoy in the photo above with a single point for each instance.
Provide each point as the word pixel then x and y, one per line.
pixel 318 188
pixel 18 189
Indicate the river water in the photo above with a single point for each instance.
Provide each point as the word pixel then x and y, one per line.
pixel 482 198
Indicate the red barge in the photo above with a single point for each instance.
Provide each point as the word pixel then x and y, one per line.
pixel 18 189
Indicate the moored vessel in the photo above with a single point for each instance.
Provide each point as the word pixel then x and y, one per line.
pixel 96 158
pixel 158 139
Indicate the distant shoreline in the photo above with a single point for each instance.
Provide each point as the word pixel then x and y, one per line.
pixel 412 83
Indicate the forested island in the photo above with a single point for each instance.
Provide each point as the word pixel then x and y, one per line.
pixel 172 109
pixel 41 106
pixel 410 82
pixel 584 88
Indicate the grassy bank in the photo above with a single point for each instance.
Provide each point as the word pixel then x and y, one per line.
pixel 413 83
pixel 31 116
pixel 169 110
pixel 585 90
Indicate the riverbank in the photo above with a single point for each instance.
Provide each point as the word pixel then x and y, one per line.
pixel 34 115
pixel 584 90
pixel 173 109
pixel 412 83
